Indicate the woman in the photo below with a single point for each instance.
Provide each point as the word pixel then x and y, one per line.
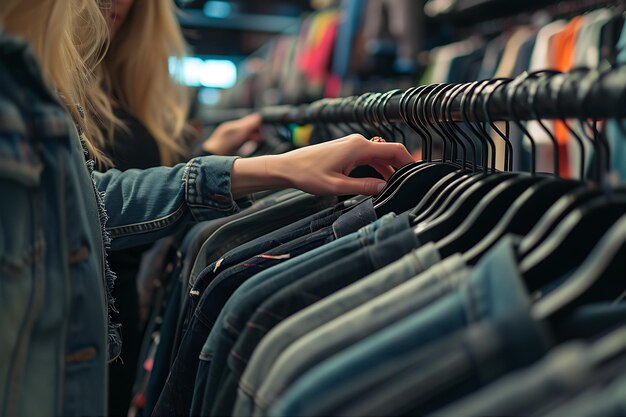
pixel 55 345
pixel 135 76
pixel 135 84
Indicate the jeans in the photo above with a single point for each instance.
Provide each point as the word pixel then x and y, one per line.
pixel 297 296
pixel 425 380
pixel 272 216
pixel 564 373
pixel 357 325
pixel 250 295
pixel 322 312
pixel 492 289
pixel 175 399
pixel 358 216
pixel 255 225
pixel 161 361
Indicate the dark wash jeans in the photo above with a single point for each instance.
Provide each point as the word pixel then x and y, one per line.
pixel 298 296
pixel 363 260
pixel 175 399
pixel 261 286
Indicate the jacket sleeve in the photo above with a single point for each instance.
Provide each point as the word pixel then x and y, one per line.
pixel 145 205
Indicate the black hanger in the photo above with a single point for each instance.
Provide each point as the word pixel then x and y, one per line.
pixel 440 189
pixel 531 206
pixel 571 241
pixel 599 278
pixel 572 200
pixel 485 215
pixel 467 194
pixel 525 212
pixel 493 206
pixel 555 214
pixel 412 188
pixel 403 189
pixel 430 204
pixel 397 177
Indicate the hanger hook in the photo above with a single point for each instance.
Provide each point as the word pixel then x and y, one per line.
pixel 511 92
pixel 461 89
pixel 533 90
pixel 508 147
pixel 556 96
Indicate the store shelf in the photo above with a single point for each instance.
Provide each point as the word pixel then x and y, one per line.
pixel 196 19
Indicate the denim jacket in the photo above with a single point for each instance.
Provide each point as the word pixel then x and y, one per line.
pixel 53 298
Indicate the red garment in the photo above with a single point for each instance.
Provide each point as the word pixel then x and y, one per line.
pixel 563 49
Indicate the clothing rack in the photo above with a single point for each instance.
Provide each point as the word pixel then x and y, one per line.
pixel 581 93
pixel 469 12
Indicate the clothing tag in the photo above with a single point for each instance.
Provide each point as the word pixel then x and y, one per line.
pixel 218 264
pixel 286 256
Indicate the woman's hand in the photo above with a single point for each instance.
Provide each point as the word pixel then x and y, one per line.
pixel 228 137
pixel 321 169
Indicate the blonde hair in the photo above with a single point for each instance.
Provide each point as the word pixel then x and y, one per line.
pixel 53 28
pixel 135 71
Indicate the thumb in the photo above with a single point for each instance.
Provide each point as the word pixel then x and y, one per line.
pixel 360 186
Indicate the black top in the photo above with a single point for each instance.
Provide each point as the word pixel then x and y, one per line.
pixel 134 147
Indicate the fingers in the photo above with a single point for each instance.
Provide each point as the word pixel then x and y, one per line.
pixel 358 186
pixel 394 154
pixel 383 169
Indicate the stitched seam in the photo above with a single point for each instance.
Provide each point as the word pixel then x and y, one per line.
pixel 148 226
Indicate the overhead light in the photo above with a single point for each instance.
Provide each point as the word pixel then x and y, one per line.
pixel 218 9
pixel 199 72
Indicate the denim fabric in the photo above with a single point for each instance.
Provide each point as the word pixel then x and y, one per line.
pixel 266 242
pixel 359 216
pixel 425 380
pixel 177 393
pixel 357 325
pixel 295 297
pixel 55 286
pixel 322 312
pixel 202 231
pixel 255 225
pixel 161 360
pixel 564 373
pixel 273 211
pixel 564 370
pixel 493 288
pixel 606 401
pixel 250 295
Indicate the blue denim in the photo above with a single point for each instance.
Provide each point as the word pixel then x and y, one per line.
pixel 250 295
pixel 177 393
pixel 493 289
pixel 255 234
pixel 202 231
pixel 161 360
pixel 425 380
pixel 55 283
pixel 272 212
pixel 358 216
pixel 358 324
pixel 563 374
pixel 307 321
pixel 295 297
